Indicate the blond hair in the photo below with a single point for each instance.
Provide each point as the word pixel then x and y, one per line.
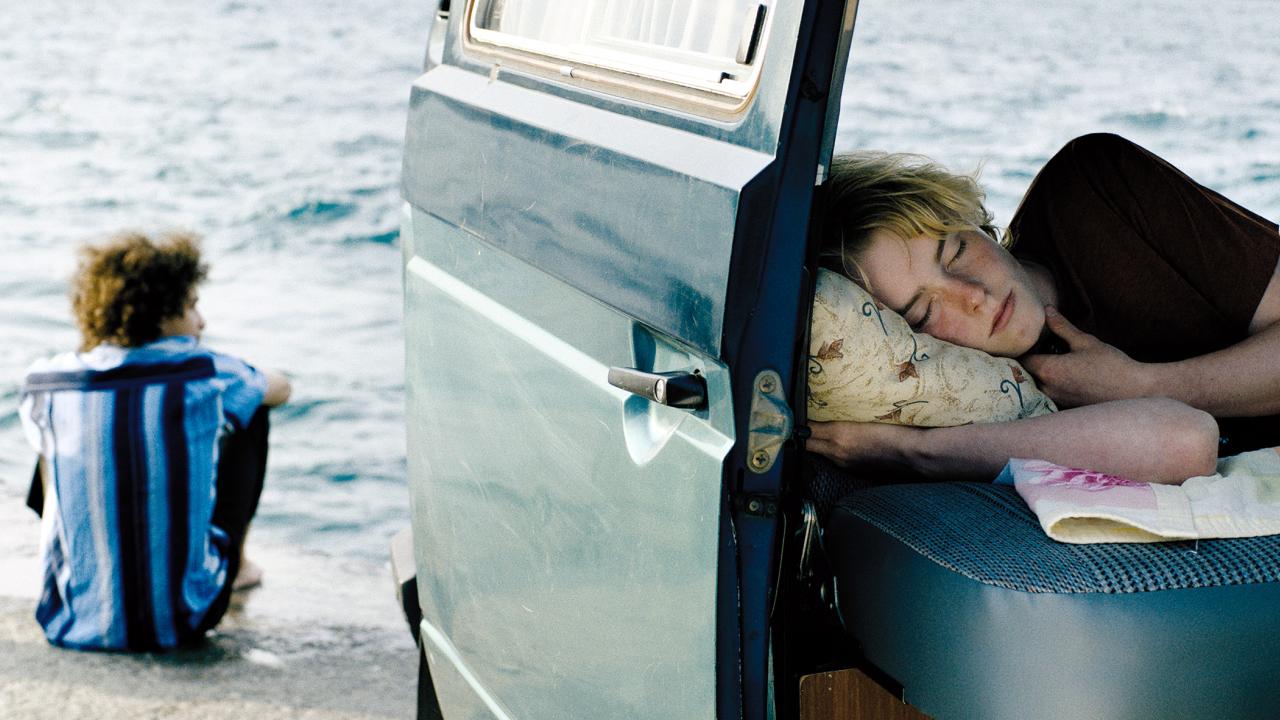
pixel 908 195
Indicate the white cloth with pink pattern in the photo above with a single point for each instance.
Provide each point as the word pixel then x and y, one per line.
pixel 1081 506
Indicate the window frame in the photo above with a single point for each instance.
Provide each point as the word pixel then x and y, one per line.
pixel 693 87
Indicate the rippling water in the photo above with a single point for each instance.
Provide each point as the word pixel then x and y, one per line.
pixel 1005 84
pixel 274 128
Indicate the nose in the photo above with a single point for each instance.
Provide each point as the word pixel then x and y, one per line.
pixel 970 294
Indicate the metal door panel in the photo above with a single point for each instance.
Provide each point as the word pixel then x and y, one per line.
pixel 562 574
pixel 638 215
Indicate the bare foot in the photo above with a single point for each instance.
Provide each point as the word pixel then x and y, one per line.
pixel 250 576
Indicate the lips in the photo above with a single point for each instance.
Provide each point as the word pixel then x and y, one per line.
pixel 1002 315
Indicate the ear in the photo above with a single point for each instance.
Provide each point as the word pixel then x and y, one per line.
pixel 171 326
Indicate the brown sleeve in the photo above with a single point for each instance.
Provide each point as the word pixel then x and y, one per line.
pixel 1144 257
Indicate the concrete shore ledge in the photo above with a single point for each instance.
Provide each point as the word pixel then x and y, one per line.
pixel 321 639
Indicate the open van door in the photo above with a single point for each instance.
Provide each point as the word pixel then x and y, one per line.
pixel 604 243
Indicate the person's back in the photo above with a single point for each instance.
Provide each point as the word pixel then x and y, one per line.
pixel 143 515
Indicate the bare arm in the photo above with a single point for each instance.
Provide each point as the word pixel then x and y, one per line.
pixel 278 388
pixel 1149 440
pixel 1239 381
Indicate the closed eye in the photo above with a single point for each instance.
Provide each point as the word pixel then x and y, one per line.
pixel 922 322
pixel 960 248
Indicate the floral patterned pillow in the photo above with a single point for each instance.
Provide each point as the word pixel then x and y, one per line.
pixel 866 365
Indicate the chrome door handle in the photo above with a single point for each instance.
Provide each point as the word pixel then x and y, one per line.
pixel 686 390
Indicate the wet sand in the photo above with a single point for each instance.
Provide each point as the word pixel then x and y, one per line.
pixel 322 638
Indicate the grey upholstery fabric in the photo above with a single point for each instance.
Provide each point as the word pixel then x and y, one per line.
pixel 826 484
pixel 955 592
pixel 987 533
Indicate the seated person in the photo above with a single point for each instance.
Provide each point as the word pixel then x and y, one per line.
pixel 1145 304
pixel 152 454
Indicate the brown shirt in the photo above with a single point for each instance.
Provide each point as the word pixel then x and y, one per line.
pixel 1147 259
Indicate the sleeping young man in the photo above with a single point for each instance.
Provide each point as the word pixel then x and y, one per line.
pixel 1141 301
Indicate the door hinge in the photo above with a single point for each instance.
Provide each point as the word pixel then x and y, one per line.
pixel 770 423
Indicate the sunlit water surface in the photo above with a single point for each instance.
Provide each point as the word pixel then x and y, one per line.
pixel 275 128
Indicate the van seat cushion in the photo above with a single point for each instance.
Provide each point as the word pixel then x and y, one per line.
pixel 986 533
pixel 955 592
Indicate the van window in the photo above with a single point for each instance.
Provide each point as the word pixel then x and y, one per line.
pixel 710 46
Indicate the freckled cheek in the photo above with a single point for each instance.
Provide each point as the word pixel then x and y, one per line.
pixel 1033 324
pixel 991 262
pixel 957 328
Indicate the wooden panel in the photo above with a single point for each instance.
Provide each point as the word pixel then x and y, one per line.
pixel 850 695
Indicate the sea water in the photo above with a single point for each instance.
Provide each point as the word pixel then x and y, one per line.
pixel 1002 84
pixel 275 130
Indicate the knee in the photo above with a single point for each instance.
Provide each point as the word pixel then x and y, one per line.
pixel 1116 153
pixel 1092 161
pixel 1083 150
pixel 1104 142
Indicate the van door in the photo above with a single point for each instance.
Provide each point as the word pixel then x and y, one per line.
pixel 602 188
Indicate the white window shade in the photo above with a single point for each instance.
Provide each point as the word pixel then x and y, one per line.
pixel 694 42
pixel 707 27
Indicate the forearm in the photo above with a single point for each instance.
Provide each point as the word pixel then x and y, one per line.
pixel 1152 440
pixel 1240 381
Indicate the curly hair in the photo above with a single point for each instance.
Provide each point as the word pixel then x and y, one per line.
pixel 127 286
pixel 909 195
